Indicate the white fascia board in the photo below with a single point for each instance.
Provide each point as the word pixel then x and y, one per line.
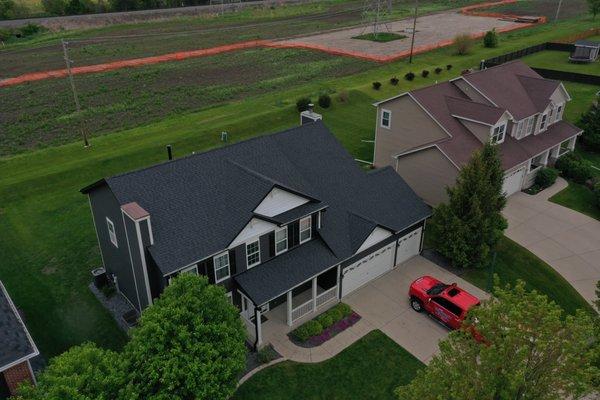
pixel 256 227
pixel 377 235
pixel 377 103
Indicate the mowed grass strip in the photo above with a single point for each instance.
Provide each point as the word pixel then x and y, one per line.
pixel 371 368
pixel 559 60
pixel 44 221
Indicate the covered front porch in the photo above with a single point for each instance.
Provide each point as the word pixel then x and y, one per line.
pixel 289 310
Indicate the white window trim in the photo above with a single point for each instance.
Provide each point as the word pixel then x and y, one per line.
pixel 529 170
pixel 309 229
pixel 560 108
pixel 389 125
pixel 530 128
pixel 225 253
pixel 112 235
pixel 284 229
pixel 258 252
pixel 542 122
pixel 504 126
pixel 230 296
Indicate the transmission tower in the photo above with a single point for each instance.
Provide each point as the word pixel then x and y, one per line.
pixel 375 14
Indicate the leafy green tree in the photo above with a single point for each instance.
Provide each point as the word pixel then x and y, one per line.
pixel 590 123
pixel 594 7
pixel 469 226
pixel 55 7
pixel 84 372
pixel 189 345
pixel 530 351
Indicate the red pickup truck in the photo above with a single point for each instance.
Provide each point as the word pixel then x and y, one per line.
pixel 447 303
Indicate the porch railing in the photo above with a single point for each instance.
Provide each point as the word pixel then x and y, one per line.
pixel 302 310
pixel 327 296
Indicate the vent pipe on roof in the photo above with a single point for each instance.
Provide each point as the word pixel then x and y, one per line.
pixel 309 115
pixel 169 152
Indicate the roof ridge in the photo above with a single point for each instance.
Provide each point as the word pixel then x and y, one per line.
pixel 474 102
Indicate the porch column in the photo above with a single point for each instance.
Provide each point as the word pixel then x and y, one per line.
pixel 546 158
pixel 258 328
pixel 289 308
pixel 337 282
pixel 572 143
pixel 555 151
pixel 314 293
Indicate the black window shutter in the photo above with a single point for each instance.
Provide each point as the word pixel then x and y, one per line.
pixel 272 244
pixel 232 269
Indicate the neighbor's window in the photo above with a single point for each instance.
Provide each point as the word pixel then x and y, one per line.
pixel 498 134
pixel 305 231
pixel 253 253
pixel 559 112
pixel 112 234
pixel 520 129
pixel 221 267
pixel 386 119
pixel 281 240
pixel 543 122
pixel 529 126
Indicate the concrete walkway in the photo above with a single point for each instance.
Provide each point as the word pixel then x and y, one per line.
pixel 383 304
pixel 567 240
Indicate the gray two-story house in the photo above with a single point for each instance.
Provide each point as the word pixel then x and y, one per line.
pixel 427 135
pixel 286 221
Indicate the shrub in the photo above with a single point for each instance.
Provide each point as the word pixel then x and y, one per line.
pixel 409 76
pixel 302 104
pixel 7 9
pixel 448 67
pixel 596 191
pixel 424 73
pixel 325 320
pixel 546 177
pixel 463 44
pixel 574 167
pixel 335 314
pixel 376 85
pixel 438 70
pixel 31 29
pixel 394 81
pixel 590 123
pixel 324 100
pixel 490 39
pixel 308 330
pixel 266 354
pixel 54 7
pixel 5 34
pixel 344 309
pixel 344 96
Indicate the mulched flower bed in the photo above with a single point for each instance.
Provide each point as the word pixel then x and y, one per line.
pixel 327 333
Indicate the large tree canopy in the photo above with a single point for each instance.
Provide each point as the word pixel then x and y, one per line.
pixel 468 227
pixel 531 351
pixel 189 345
pixel 84 372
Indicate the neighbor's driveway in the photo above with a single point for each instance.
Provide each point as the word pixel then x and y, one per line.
pixel 383 304
pixel 567 240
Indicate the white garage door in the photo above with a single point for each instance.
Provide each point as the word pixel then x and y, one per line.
pixel 368 268
pixel 409 246
pixel 512 181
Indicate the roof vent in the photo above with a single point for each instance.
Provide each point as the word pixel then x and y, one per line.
pixel 309 115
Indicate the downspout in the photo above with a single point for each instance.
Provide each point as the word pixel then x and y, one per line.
pixel 255 345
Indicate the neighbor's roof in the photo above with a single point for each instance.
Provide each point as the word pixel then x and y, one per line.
pixel 16 344
pixel 587 43
pixel 514 88
pixel 198 204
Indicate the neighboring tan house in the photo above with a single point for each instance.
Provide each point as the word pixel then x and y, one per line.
pixel 16 347
pixel 428 134
pixel 287 223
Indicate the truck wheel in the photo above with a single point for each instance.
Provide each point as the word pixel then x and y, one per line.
pixel 416 304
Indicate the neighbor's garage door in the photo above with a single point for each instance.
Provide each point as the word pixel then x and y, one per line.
pixel 409 246
pixel 368 268
pixel 512 181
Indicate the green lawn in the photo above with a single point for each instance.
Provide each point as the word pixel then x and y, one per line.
pixel 579 198
pixel 48 245
pixel 371 368
pixel 515 262
pixel 559 60
pixel 382 37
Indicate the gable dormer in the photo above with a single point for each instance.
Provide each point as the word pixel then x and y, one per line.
pixel 487 123
pixel 279 201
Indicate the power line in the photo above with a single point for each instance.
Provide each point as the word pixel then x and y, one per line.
pixel 414 31
pixel 68 62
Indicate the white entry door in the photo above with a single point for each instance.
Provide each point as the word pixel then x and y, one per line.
pixel 247 308
pixel 368 268
pixel 409 246
pixel 513 181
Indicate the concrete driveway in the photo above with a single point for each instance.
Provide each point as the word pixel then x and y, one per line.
pixel 383 304
pixel 567 240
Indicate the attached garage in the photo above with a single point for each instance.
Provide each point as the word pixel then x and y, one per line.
pixel 409 246
pixel 513 181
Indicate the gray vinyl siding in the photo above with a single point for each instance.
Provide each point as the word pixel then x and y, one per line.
pixel 116 259
pixel 481 131
pixel 428 172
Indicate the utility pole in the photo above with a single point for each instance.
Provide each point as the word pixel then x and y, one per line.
pixel 412 41
pixel 558 9
pixel 74 90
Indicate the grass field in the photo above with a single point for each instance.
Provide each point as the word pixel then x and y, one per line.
pixel 48 244
pixel 559 60
pixel 547 8
pixel 371 368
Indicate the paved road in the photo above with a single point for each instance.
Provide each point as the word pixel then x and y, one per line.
pixel 73 21
pixel 567 240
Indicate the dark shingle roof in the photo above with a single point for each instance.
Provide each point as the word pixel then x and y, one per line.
pixel 587 43
pixel 474 111
pixel 15 342
pixel 198 204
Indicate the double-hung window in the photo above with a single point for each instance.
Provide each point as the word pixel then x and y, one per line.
pixel 529 126
pixel 222 271
pixel 386 119
pixel 112 234
pixel 543 122
pixel 253 253
pixel 305 229
pixel 498 134
pixel 559 112
pixel 281 240
pixel 520 129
